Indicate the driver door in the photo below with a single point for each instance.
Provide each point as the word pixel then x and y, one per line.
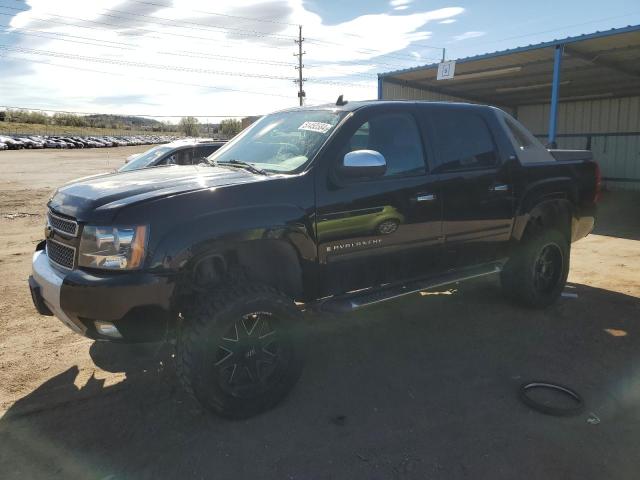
pixel 386 229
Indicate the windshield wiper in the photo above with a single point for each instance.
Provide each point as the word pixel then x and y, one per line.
pixel 250 167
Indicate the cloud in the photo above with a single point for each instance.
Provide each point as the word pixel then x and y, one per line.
pixel 277 14
pixel 115 100
pixel 468 35
pixel 127 14
pixel 447 21
pixel 200 63
pixel 400 4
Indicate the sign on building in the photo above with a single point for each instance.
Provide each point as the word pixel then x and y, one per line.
pixel 446 70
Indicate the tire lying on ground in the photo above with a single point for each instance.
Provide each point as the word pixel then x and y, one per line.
pixel 238 350
pixel 559 411
pixel 537 272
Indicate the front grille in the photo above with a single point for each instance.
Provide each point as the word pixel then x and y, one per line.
pixel 62 255
pixel 65 226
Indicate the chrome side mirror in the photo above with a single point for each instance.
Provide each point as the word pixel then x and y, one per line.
pixel 364 163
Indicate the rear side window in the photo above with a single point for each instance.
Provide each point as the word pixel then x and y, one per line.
pixel 396 137
pixel 463 141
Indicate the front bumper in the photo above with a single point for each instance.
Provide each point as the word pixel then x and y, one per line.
pixel 45 284
pixel 138 304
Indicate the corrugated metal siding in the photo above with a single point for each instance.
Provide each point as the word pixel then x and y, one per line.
pixel 393 91
pixel 588 116
pixel 618 155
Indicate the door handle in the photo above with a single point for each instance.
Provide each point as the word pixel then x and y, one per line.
pixel 426 197
pixel 499 188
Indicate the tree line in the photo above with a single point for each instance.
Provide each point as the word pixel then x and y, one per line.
pixel 189 126
pixel 93 121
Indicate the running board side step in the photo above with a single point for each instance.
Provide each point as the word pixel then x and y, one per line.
pixel 371 296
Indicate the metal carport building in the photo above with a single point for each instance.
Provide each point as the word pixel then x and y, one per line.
pixel 577 92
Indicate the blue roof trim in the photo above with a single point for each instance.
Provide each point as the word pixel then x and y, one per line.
pixel 509 51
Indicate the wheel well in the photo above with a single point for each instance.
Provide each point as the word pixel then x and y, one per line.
pixel 556 214
pixel 269 262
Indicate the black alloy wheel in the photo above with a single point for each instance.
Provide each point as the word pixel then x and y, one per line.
pixel 548 268
pixel 249 354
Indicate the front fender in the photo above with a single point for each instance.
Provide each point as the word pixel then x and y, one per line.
pixel 229 228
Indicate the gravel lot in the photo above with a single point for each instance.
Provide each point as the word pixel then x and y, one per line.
pixel 423 387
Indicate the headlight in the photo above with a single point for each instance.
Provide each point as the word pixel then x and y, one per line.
pixel 113 248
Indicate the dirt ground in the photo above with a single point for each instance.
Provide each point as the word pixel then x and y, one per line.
pixel 424 387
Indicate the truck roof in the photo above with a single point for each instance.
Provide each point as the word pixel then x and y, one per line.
pixel 181 142
pixel 351 106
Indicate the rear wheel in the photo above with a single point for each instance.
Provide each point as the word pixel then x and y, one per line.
pixel 238 350
pixel 537 272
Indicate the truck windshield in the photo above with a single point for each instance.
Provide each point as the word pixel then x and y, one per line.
pixel 281 142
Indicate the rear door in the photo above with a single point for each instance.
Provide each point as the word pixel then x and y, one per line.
pixel 475 183
pixel 377 230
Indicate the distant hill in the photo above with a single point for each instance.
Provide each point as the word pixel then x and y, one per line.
pixel 100 119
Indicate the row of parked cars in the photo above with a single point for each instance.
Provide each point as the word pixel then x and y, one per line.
pixel 17 142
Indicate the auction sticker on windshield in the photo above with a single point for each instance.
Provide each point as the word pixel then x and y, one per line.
pixel 319 127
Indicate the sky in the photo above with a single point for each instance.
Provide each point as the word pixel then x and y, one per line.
pixel 234 58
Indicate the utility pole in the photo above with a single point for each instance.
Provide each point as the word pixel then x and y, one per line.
pixel 300 81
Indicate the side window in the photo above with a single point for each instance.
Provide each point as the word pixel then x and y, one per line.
pixel 396 137
pixel 169 160
pixel 463 141
pixel 185 156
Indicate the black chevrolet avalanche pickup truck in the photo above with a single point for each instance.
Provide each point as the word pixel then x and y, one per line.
pixel 328 208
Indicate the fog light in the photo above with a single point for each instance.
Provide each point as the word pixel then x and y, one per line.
pixel 107 329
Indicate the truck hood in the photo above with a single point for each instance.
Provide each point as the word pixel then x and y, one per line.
pixel 102 195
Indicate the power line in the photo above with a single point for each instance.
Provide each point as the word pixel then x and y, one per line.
pixel 228 89
pixel 92 41
pixel 237 31
pixel 261 20
pixel 206 40
pixel 181 53
pixel 108 24
pixel 246 18
pixel 421 45
pixel 557 29
pixel 368 51
pixel 224 89
pixel 192 54
pixel 48 53
pixel 218 14
pixel 336 82
pixel 141 64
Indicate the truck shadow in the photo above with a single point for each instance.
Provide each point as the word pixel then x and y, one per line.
pixel 419 388
pixel 618 215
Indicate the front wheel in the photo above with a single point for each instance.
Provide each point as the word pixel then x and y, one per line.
pixel 238 350
pixel 537 272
